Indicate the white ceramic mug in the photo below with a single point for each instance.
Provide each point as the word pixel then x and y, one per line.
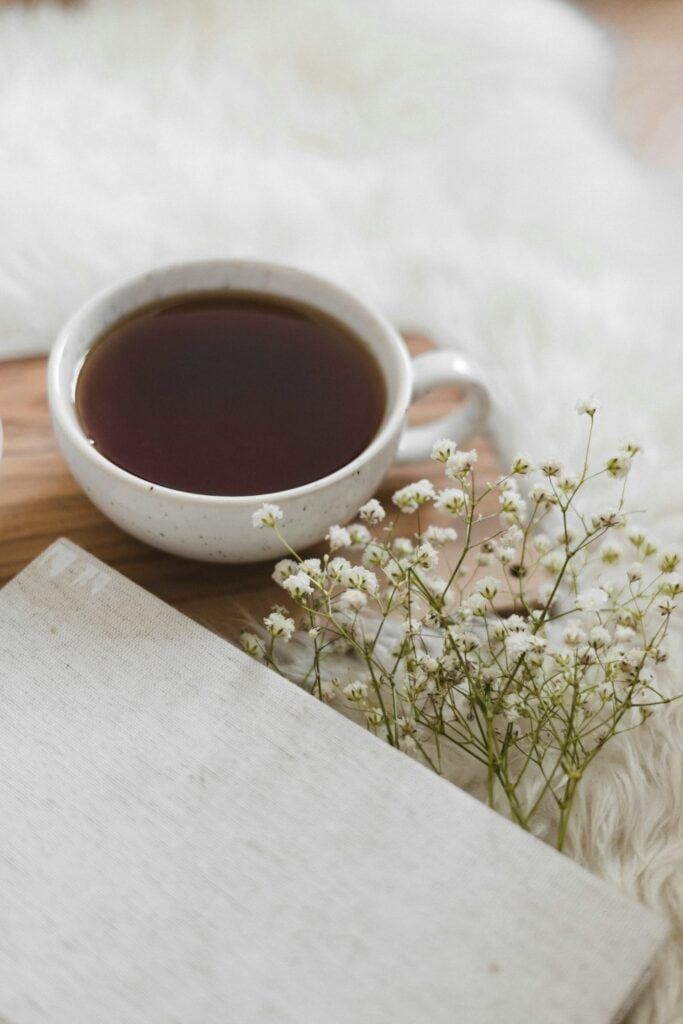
pixel 218 528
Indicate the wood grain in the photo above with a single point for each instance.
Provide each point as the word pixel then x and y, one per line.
pixel 40 501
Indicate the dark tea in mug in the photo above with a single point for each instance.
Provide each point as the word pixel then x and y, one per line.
pixel 230 394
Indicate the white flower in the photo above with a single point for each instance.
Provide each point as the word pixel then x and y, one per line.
pixel 413 496
pixel 543 494
pixel 592 600
pixel 633 659
pixel 374 717
pixel 515 624
pixel 550 467
pixel 279 626
pixel 672 585
pixel 610 553
pixel 313 567
pixel 354 600
pixel 573 635
pixel 266 516
pixel 517 644
pixel 464 641
pixel 510 501
pixel 553 563
pixel 425 556
pixel 408 744
pixel 359 534
pixel 608 518
pixel 355 691
pixel 618 465
pixel 475 604
pixel 521 464
pixel 585 655
pixel 372 511
pixel 440 535
pixel 605 691
pixel 298 584
pixel 635 572
pixel 443 450
pixel 563 658
pixel 587 406
pixel 461 463
pixel 452 500
pixel 326 691
pixel 504 555
pixel 512 536
pixel 251 644
pixel 599 637
pixel 488 587
pixel 338 537
pixel 669 561
pixel 360 578
pixel 395 573
pixel 541 543
pixel 567 483
pixel 284 568
pixel 630 447
pixel 376 554
pixel 449 662
pixel 435 586
pixel 623 633
pixel 338 569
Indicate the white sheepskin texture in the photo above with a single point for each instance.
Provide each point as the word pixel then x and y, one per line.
pixel 453 162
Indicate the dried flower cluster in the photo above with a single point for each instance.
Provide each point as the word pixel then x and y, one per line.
pixel 531 668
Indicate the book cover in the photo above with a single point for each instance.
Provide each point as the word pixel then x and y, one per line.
pixel 189 838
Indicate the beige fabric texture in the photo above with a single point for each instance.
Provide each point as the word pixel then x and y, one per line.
pixel 187 837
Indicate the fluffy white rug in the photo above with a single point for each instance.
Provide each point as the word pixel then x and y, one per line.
pixel 451 161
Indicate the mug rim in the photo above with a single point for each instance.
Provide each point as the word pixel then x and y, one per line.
pixel 63 408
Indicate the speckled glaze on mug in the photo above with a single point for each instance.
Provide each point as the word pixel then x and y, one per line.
pixel 218 528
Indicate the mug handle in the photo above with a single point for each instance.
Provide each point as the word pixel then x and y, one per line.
pixel 435 370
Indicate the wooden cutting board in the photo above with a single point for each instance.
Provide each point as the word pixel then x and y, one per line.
pixel 40 501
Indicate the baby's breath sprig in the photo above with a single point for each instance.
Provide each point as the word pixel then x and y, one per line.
pixel 530 669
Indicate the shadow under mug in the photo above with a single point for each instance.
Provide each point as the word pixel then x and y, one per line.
pixel 219 528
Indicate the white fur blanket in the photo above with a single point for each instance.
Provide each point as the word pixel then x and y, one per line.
pixel 451 161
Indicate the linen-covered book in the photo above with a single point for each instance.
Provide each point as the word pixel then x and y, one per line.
pixel 186 837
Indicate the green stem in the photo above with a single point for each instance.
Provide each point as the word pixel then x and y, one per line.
pixel 565 814
pixel 491 768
